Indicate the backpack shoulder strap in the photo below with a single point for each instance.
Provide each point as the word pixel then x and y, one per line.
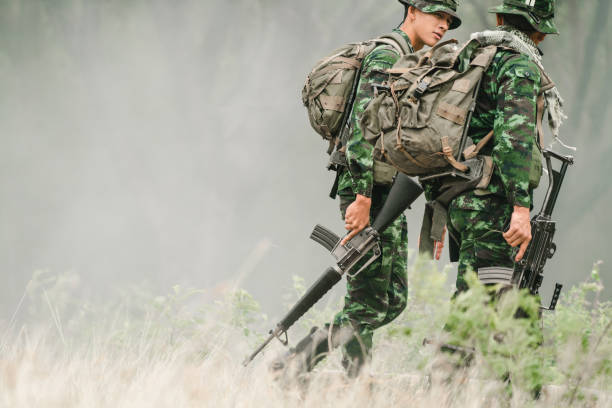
pixel 397 41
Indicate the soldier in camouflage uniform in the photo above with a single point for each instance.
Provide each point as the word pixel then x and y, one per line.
pixel 379 293
pixel 488 226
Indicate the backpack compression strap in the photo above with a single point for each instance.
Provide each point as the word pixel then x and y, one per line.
pixel 397 41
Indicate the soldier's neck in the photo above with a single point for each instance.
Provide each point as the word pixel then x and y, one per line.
pixel 415 40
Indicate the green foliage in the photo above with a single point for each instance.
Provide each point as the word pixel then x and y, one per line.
pixel 503 331
pixel 503 336
pixel 580 337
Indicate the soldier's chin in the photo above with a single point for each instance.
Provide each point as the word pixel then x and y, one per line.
pixel 430 42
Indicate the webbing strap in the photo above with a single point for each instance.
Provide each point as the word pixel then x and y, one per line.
pixel 351 61
pixel 473 150
pixel 447 151
pixel 399 42
pixel 432 228
pixel 540 107
pixel 434 218
pixel 335 67
pixel 453 113
pixel 335 103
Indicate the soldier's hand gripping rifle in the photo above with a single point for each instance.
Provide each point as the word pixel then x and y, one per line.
pixel 529 271
pixel 403 193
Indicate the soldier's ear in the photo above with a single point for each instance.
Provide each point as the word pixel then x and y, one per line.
pixel 537 37
pixel 412 13
pixel 500 19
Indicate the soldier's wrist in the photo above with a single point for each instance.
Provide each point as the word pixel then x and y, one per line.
pixel 363 190
pixel 363 198
pixel 521 210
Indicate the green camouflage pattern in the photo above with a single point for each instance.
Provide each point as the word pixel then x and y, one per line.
pixel 478 233
pixel 507 104
pixel 539 13
pixel 359 152
pixel 379 293
pixel 434 6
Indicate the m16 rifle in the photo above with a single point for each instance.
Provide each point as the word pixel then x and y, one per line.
pixel 529 271
pixel 402 194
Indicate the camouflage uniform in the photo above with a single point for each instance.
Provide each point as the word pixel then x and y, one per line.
pixel 378 294
pixel 507 104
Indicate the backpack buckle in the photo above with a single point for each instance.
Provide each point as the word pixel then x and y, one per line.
pixel 420 89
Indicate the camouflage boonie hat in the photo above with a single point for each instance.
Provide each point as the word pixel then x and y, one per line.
pixel 433 6
pixel 539 13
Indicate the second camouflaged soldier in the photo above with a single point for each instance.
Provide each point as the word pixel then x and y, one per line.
pixel 488 226
pixel 379 293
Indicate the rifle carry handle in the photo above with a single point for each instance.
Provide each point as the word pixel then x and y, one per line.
pixel 555 179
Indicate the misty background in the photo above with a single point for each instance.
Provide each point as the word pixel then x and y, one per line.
pixel 149 142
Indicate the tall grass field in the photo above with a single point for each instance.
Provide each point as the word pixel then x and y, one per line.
pixel 186 348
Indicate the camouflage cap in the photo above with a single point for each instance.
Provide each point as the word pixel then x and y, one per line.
pixel 539 13
pixel 433 6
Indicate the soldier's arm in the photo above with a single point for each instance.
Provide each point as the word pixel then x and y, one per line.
pixel 358 150
pixel 515 127
pixel 515 134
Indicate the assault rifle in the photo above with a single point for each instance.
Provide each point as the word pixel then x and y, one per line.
pixel 529 271
pixel 403 193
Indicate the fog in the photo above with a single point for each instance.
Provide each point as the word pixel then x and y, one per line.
pixel 159 142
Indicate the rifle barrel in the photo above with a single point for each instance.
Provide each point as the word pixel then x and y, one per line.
pixel 256 352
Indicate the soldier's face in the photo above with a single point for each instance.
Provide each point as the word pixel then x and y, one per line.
pixel 431 27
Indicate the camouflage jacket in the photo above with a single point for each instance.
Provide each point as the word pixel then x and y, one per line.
pixel 507 104
pixel 359 151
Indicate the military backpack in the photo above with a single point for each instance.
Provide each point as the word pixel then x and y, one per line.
pixel 420 117
pixel 330 88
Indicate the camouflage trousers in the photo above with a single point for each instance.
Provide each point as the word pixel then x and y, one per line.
pixel 379 293
pixel 476 225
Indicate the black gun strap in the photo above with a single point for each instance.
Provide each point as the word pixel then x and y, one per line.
pixel 434 218
pixel 334 190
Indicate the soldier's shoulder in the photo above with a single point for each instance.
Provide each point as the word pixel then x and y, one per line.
pixel 383 54
pixel 514 64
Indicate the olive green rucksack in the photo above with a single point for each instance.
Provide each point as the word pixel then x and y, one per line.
pixel 418 122
pixel 330 87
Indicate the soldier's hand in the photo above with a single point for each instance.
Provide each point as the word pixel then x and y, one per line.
pixel 439 246
pixel 519 233
pixel 357 216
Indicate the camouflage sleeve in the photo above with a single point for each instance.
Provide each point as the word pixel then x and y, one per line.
pixel 358 150
pixel 515 126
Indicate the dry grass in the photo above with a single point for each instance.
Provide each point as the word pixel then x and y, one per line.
pixel 162 352
pixel 36 374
